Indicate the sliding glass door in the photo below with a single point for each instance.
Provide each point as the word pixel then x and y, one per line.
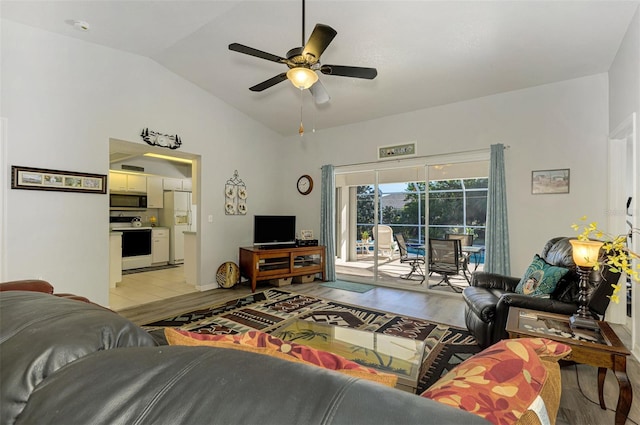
pixel 377 205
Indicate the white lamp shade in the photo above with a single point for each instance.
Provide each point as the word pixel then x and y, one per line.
pixel 585 253
pixel 302 78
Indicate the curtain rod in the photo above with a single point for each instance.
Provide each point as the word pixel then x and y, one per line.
pixel 424 156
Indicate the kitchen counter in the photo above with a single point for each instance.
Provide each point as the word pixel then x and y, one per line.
pixel 190 252
pixel 115 258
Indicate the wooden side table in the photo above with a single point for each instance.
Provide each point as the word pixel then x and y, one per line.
pixel 600 348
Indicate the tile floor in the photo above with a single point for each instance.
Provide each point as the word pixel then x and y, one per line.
pixel 141 288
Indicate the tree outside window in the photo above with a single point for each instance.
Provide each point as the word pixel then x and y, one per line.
pixel 455 206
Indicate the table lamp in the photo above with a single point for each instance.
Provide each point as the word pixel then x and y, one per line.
pixel 585 255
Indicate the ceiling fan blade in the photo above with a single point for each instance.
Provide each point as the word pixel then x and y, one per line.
pixel 241 48
pixel 319 93
pixel 349 71
pixel 270 82
pixel 319 40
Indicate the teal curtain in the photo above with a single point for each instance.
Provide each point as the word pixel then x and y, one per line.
pixel 327 219
pixel 497 258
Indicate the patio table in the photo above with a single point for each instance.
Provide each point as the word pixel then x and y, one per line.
pixel 474 251
pixel 362 247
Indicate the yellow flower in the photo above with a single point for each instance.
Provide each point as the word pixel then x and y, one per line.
pixel 618 257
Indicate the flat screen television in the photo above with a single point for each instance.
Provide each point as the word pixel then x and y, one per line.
pixel 274 230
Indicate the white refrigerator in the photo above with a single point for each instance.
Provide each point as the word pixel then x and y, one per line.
pixel 178 216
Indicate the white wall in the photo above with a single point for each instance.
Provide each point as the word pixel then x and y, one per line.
pixel 624 76
pixel 63 100
pixel 560 125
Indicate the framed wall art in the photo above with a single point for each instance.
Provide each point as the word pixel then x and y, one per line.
pixel 390 152
pixel 550 181
pixel 63 181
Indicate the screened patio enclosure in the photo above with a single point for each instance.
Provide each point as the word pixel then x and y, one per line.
pixel 397 195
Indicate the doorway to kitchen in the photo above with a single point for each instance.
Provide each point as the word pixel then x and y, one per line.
pixel 164 175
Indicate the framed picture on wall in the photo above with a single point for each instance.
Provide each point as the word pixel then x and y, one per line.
pixel 545 182
pixel 62 181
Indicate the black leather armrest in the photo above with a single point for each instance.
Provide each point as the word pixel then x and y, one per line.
pixel 494 281
pixel 534 303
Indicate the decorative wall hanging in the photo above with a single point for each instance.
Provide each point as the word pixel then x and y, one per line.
pixel 62 181
pixel 235 196
pixel 389 152
pixel 163 140
pixel 550 181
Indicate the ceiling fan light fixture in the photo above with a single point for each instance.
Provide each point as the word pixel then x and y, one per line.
pixel 302 78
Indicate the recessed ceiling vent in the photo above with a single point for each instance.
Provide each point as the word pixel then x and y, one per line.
pixel 132 168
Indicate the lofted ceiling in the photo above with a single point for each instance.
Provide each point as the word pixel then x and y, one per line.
pixel 427 53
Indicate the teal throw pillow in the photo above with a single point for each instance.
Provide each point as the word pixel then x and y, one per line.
pixel 541 278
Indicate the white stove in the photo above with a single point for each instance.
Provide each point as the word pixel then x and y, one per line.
pixel 136 241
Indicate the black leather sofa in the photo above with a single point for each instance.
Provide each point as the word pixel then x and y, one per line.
pixel 69 362
pixel 490 295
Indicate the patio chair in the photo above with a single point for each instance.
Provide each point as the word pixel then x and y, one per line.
pixel 416 261
pixel 465 240
pixel 445 259
pixel 384 236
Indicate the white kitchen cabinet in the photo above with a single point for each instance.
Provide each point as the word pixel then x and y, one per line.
pixel 121 182
pixel 136 183
pixel 160 245
pixel 155 197
pixel 172 184
pixel 117 182
pixel 177 184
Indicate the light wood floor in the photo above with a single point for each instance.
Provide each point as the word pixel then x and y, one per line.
pixel 575 408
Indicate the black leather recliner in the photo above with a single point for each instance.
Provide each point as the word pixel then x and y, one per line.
pixel 490 295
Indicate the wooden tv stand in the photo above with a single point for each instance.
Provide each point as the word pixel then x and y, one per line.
pixel 276 263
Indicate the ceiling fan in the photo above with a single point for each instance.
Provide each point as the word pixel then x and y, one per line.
pixel 303 62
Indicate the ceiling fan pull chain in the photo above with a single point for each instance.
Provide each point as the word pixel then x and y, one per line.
pixel 301 129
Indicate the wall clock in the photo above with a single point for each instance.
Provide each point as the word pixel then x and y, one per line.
pixel 305 184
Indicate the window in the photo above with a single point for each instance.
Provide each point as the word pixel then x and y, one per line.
pixel 455 206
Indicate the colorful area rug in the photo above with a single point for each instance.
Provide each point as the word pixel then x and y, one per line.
pixel 445 346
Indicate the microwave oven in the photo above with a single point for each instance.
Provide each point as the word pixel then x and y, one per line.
pixel 118 201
